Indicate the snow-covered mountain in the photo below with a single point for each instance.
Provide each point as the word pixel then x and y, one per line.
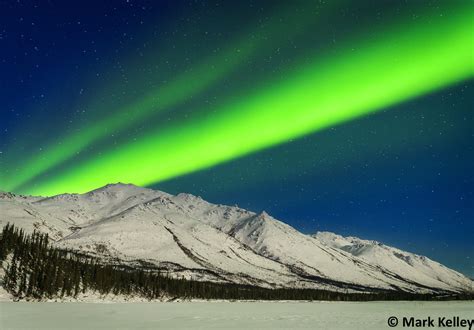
pixel 395 260
pixel 186 236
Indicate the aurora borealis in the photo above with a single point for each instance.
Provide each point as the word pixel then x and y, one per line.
pixel 183 86
pixel 161 93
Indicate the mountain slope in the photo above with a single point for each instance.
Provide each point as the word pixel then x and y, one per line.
pixel 413 267
pixel 184 235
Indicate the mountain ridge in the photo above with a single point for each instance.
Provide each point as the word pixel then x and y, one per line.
pixel 216 242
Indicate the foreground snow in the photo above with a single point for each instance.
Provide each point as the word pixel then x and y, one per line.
pixel 189 237
pixel 218 315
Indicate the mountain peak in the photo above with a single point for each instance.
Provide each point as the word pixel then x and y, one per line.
pixel 264 215
pixel 118 185
pixel 190 197
pixel 118 188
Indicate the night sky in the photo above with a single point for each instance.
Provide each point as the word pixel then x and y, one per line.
pixel 351 117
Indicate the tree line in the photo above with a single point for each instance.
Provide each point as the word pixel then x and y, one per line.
pixel 37 269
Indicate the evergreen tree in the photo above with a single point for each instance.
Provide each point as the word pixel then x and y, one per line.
pixel 10 281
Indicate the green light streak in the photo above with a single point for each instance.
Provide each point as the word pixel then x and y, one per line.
pixel 406 62
pixel 177 91
pixel 183 87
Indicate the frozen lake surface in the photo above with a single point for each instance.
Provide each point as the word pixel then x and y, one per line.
pixel 222 315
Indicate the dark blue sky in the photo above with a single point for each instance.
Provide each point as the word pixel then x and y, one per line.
pixel 402 176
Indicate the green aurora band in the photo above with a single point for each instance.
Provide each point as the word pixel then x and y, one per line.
pixel 181 88
pixel 363 77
